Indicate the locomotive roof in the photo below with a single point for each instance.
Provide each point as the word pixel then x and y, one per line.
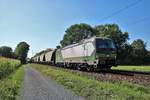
pixel 84 40
pixel 71 45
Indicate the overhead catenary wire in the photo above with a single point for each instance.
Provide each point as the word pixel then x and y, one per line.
pixel 121 10
pixel 139 21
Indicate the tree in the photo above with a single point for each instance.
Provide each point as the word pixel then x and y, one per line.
pixel 126 54
pixel 149 54
pixel 114 32
pixel 76 33
pixel 148 58
pixel 139 52
pixel 14 55
pixel 21 51
pixel 6 51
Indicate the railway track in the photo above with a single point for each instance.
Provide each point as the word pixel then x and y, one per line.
pixel 134 77
pixel 113 71
pixel 125 72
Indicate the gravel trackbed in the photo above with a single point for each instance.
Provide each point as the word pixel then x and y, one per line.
pixel 38 87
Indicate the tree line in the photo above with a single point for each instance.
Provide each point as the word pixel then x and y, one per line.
pixel 134 53
pixel 20 52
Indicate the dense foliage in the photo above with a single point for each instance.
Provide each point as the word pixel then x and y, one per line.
pixel 21 51
pixel 134 53
pixel 6 51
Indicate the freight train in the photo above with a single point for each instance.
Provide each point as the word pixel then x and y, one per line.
pixel 90 54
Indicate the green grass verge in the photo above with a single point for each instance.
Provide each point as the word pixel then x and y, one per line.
pixel 10 86
pixel 92 89
pixel 7 66
pixel 133 68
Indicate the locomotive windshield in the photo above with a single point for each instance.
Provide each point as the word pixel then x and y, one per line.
pixel 104 44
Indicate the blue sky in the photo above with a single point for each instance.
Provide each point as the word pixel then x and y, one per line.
pixel 41 23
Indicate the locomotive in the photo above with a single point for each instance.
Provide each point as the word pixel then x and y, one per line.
pixel 90 54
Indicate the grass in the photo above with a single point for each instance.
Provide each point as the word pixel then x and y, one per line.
pixel 10 87
pixel 11 75
pixel 7 66
pixel 92 89
pixel 133 68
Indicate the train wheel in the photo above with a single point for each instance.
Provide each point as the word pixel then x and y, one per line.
pixel 65 65
pixel 79 67
pixel 109 67
pixel 88 68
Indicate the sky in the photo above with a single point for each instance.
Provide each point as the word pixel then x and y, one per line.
pixel 42 23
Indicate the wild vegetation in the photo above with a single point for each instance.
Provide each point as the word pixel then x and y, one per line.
pixel 6 51
pixel 7 66
pixel 10 86
pixel 20 52
pixel 92 89
pixel 10 79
